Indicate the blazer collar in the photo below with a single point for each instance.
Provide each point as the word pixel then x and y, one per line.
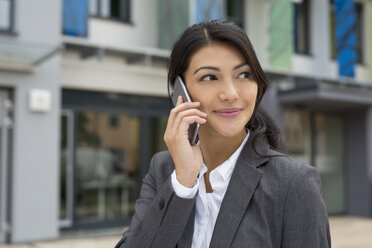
pixel 243 183
pixel 254 154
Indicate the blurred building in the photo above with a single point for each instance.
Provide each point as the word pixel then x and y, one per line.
pixel 83 100
pixel 30 39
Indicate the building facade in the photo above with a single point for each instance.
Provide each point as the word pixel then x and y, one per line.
pixel 30 110
pixel 84 102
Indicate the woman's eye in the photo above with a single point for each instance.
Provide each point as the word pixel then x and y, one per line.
pixel 245 74
pixel 208 78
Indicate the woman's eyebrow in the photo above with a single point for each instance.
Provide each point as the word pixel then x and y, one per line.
pixel 240 65
pixel 217 69
pixel 207 67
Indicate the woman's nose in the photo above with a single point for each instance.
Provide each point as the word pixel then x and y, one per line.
pixel 229 92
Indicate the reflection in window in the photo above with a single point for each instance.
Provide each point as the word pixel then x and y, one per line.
pixel 157 128
pixel 359 32
pixel 234 11
pixel 110 9
pixel 107 166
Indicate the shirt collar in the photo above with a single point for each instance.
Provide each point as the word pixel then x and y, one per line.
pixel 226 168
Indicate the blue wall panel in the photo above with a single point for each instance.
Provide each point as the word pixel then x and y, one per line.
pixel 346 37
pixel 75 17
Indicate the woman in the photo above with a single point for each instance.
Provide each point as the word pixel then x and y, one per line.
pixel 233 189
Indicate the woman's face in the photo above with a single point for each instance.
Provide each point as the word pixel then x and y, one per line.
pixel 220 79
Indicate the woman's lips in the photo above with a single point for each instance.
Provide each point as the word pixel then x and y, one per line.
pixel 228 113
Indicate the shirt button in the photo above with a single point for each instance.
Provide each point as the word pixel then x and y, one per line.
pixel 161 204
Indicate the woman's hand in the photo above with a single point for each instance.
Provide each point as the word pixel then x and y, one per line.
pixel 187 159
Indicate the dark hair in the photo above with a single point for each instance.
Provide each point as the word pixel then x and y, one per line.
pixel 208 32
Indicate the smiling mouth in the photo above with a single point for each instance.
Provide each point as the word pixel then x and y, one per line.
pixel 228 113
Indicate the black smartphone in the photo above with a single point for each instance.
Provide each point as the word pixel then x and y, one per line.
pixel 179 89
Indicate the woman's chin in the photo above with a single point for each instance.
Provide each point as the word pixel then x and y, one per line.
pixel 228 131
pixel 231 132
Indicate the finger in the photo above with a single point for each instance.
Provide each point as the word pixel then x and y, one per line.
pixel 185 105
pixel 173 112
pixel 176 132
pixel 187 113
pixel 187 121
pixel 179 108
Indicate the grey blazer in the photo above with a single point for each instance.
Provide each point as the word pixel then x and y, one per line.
pixel 271 202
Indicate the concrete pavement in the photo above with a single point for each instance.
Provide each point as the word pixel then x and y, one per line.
pixel 346 232
pixel 351 232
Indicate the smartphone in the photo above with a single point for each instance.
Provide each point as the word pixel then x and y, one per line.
pixel 179 89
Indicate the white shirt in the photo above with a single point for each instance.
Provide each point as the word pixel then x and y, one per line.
pixel 208 204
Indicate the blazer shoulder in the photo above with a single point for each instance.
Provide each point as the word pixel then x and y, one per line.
pixel 162 158
pixel 287 163
pixel 287 168
pixel 161 165
pixel 163 155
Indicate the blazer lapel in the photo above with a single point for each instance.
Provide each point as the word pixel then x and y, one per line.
pixel 243 183
pixel 186 238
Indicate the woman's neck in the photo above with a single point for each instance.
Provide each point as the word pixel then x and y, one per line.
pixel 217 149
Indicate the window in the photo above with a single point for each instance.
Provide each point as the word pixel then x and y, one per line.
pixel 359 32
pixel 301 14
pixel 332 29
pixel 234 11
pixel 113 121
pixel 110 9
pixel 6 15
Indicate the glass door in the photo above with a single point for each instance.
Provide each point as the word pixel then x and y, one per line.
pixel 318 139
pixel 5 127
pixel 329 159
pixel 107 166
pixel 107 141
